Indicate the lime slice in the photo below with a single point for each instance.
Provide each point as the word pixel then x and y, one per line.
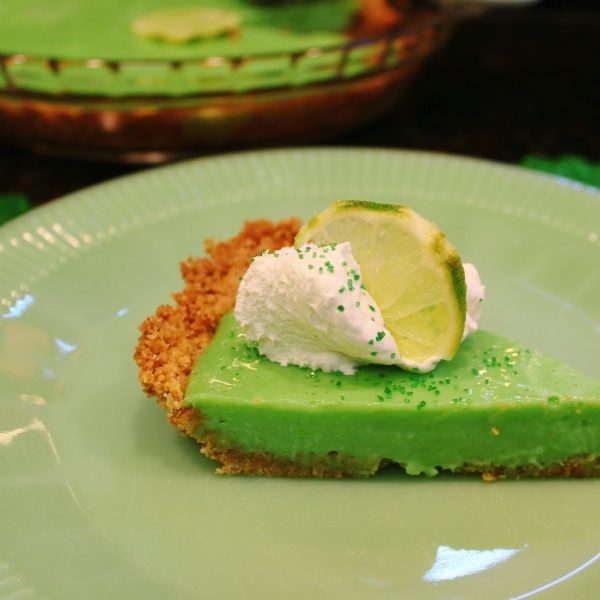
pixel 184 24
pixel 410 269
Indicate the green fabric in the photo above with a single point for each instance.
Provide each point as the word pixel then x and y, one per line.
pixel 12 204
pixel 573 167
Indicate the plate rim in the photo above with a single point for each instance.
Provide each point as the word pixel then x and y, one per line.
pixel 73 198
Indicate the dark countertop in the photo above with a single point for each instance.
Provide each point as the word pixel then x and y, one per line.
pixel 508 83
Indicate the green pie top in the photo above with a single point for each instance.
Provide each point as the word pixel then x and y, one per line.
pixel 88 29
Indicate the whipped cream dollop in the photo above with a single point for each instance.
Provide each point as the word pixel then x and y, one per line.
pixel 310 308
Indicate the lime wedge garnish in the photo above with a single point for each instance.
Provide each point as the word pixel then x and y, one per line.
pixel 410 269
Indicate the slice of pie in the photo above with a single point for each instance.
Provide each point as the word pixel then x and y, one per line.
pixel 496 408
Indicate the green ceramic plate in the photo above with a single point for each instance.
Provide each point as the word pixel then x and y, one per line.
pixel 100 498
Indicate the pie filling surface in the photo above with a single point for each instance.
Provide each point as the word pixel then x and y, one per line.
pixel 495 406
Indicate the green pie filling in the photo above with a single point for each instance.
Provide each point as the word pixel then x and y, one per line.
pixel 495 404
pixel 89 29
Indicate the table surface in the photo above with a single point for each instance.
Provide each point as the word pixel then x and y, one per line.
pixel 509 83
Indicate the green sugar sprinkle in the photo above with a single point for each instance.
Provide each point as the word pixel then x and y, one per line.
pixel 342 289
pixel 320 269
pixel 321 256
pixel 372 308
pixel 415 369
pixel 362 286
pixel 300 255
pixel 356 277
pixel 406 400
pixel 340 308
pixel 409 393
pixel 447 379
pixel 310 267
pixel 393 355
pixel 325 249
pixel 314 255
pixel 350 285
pixel 334 245
pixel 474 371
pixel 276 254
pixel 371 342
pixel 380 398
pixel 344 264
pixel 421 404
pixel 338 383
pixel 357 304
pixel 373 353
pixel 240 278
pixel 307 249
pixel 380 335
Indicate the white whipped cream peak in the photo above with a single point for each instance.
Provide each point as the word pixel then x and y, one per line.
pixel 308 307
pixel 475 298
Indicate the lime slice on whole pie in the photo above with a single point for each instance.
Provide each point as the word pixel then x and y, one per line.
pixel 410 269
pixel 495 408
pixel 183 24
